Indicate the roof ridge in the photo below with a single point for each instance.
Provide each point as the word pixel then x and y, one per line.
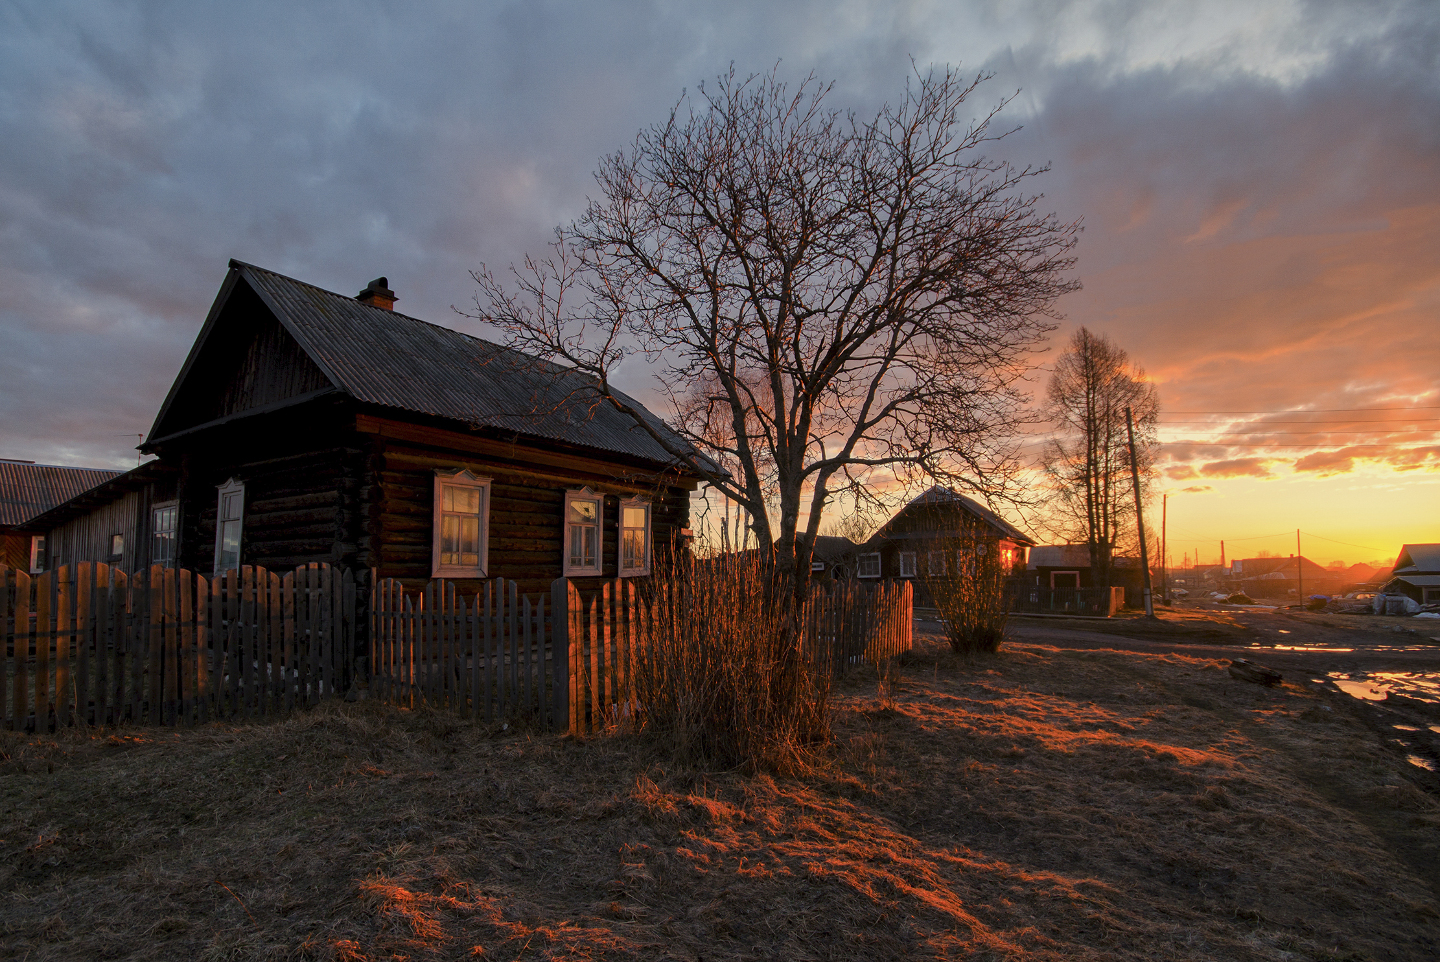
pixel 389 312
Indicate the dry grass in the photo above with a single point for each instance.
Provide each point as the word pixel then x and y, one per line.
pixel 1039 804
pixel 728 682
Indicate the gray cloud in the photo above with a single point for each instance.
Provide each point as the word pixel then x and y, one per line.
pixel 1245 198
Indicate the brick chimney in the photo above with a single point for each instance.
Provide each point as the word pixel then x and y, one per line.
pixel 378 294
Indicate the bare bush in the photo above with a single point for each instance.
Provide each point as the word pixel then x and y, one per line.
pixel 728 679
pixel 964 573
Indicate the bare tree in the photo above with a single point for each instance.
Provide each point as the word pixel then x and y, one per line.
pixel 1088 461
pixel 823 298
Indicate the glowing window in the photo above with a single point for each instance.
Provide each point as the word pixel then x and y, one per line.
pixel 634 538
pixel 461 526
pixel 584 510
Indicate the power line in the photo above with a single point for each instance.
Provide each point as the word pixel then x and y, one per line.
pixel 1346 543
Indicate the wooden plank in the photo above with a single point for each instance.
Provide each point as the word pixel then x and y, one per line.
pixel 501 650
pixel 248 680
pixel 155 611
pixel 514 605
pixel 474 635
pixel 24 639
pixel 309 628
pixel 102 610
pixel 169 668
pixel 592 679
pixel 44 639
pixel 84 641
pixel 407 647
pixel 486 641
pixel 560 654
pixel 137 635
pixel 234 645
pixel 531 634
pixel 10 662
pixel 63 614
pixel 326 634
pixel 289 666
pixel 200 666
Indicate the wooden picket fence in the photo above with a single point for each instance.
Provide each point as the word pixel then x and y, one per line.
pixel 490 655
pixel 860 622
pixel 498 654
pixel 87 643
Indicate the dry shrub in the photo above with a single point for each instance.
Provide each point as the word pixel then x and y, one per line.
pixel 965 576
pixel 730 680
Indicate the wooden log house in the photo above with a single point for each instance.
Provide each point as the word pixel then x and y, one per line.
pixel 922 537
pixel 308 426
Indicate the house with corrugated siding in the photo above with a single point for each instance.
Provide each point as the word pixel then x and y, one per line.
pixel 308 426
pixel 28 489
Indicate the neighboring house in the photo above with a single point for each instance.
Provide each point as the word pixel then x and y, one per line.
pixel 127 521
pixel 1279 578
pixel 1416 573
pixel 28 489
pixel 921 537
pixel 1068 566
pixel 306 426
pixel 832 557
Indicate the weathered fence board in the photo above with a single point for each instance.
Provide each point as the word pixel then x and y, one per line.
pixel 166 646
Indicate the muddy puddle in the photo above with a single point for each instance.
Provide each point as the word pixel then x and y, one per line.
pixel 1414 685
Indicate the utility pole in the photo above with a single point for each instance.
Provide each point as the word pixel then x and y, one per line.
pixel 1299 569
pixel 1222 554
pixel 1164 557
pixel 1139 512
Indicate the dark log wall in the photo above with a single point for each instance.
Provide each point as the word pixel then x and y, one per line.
pixel 526 507
pixel 305 490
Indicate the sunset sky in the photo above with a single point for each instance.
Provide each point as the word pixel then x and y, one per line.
pixel 1259 183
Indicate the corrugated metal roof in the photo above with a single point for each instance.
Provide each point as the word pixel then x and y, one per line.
pixel 29 489
pixel 1418 558
pixel 382 357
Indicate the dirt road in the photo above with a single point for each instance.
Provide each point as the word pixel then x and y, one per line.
pixel 1383 671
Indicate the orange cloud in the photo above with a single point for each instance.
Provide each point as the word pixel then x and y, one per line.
pixel 1238 468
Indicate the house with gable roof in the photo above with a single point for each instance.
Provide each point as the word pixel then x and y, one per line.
pixel 307 426
pixel 927 529
pixel 1416 574
pixel 28 489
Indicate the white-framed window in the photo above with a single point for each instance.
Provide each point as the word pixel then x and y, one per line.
pixel 117 547
pixel 460 539
pixel 163 521
pixel 229 521
pixel 817 566
pixel 584 511
pixel 907 564
pixel 935 563
pixel 634 538
pixel 37 553
pixel 869 565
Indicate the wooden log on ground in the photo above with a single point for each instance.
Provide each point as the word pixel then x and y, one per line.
pixel 1246 670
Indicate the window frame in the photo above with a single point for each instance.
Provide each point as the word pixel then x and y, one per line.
pixel 861 561
pixel 913 567
pixel 462 478
pixel 643 570
pixel 117 547
pixel 930 571
pixel 38 545
pixel 233 486
pixel 582 571
pixel 174 533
